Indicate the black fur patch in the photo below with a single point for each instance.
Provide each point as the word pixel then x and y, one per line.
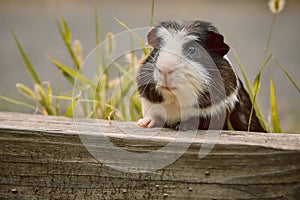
pixel 145 82
pixel 239 117
pixel 214 43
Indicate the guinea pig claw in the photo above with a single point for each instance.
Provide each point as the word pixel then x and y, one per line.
pixel 145 122
pixel 151 124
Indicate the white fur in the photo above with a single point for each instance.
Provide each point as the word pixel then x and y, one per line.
pixel 226 104
pixel 226 58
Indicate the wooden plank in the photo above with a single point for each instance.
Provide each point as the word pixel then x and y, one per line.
pixel 48 158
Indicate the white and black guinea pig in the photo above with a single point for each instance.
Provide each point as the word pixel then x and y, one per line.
pixel 187 82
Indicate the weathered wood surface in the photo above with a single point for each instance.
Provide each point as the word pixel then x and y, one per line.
pixel 44 158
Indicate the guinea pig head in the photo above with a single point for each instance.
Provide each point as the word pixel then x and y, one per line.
pixel 183 56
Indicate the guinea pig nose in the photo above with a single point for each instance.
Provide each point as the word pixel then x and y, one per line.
pixel 165 70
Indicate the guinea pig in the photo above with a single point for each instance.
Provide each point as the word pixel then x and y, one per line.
pixel 187 80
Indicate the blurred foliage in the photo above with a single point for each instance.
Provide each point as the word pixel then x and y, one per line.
pixel 95 102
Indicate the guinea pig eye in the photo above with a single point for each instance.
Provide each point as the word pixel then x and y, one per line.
pixel 191 50
pixel 153 56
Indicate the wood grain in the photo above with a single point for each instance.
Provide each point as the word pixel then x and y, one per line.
pixel 45 158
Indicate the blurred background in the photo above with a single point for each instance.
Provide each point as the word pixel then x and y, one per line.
pixel 245 25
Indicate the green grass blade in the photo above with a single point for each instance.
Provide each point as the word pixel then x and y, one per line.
pixel 49 94
pixel 72 73
pixel 67 33
pixel 69 111
pixel 121 102
pixel 66 37
pixel 251 95
pixel 99 35
pixel 256 88
pixel 109 37
pixel 137 37
pixel 135 108
pixel 26 61
pixel 40 92
pixel 68 77
pixel 13 101
pixel 269 36
pixel 255 107
pixel 274 112
pixel 77 51
pixel 26 91
pixel 75 75
pixel 44 99
pixel 108 105
pixel 98 29
pixel 152 13
pixel 256 83
pixel 64 98
pixel 91 115
pixel 100 61
pixel 229 125
pixel 101 92
pixel 287 74
pixel 246 80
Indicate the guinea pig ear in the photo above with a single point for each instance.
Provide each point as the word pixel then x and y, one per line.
pixel 215 43
pixel 152 38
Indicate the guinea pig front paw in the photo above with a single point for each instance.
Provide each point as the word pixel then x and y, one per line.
pixel 146 122
pixel 149 122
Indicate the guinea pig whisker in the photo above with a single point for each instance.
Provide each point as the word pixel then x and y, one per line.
pixel 217 92
pixel 146 84
pixel 145 80
pixel 144 75
pixel 145 67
